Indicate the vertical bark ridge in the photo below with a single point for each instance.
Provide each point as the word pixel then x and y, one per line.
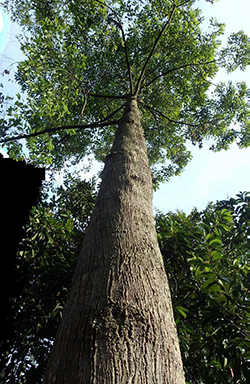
pixel 118 325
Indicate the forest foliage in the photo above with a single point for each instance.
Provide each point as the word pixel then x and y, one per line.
pixel 205 256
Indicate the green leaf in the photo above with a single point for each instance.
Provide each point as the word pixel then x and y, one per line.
pixel 216 255
pixel 182 311
pixel 215 242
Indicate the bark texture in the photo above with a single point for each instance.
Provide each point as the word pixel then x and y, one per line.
pixel 118 325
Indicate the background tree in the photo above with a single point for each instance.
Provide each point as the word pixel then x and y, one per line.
pixel 44 268
pixel 205 256
pixel 16 203
pixel 150 56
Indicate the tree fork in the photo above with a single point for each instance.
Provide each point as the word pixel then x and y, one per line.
pixel 118 324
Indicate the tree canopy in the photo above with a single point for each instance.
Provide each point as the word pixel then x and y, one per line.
pixel 84 58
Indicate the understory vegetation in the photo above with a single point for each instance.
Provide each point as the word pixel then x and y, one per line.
pixel 205 256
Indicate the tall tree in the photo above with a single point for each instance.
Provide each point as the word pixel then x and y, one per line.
pixel 96 73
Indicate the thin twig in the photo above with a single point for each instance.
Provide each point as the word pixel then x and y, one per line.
pixel 156 121
pixel 108 96
pixel 108 6
pixel 184 3
pixel 168 118
pixel 203 78
pixel 83 108
pixel 113 113
pixel 119 24
pixel 175 69
pixel 127 61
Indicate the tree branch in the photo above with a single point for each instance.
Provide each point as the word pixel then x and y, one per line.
pixel 113 113
pixel 156 120
pixel 105 119
pixel 119 24
pixel 127 61
pixel 108 6
pixel 205 80
pixel 62 128
pixel 83 108
pixel 184 3
pixel 156 111
pixel 176 69
pixel 138 85
pixel 108 96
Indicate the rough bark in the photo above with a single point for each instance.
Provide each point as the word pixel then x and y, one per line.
pixel 118 325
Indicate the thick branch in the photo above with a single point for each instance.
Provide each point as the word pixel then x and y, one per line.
pixel 138 85
pixel 62 128
pixel 105 119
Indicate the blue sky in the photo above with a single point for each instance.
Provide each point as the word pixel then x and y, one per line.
pixel 9 47
pixel 209 176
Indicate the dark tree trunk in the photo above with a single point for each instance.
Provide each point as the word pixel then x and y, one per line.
pixel 118 325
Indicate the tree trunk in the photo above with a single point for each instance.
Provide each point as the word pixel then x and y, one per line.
pixel 118 325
